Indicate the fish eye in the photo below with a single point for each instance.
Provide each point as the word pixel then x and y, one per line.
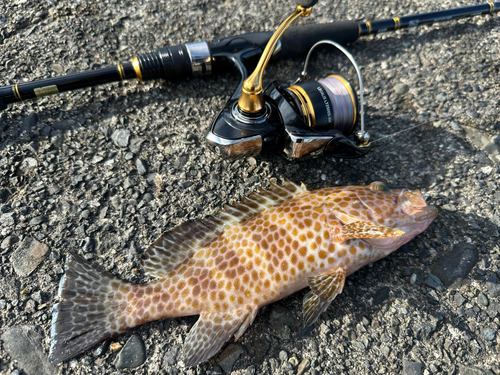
pixel 378 186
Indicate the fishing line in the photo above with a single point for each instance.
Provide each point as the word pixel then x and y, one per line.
pixel 411 128
pixel 447 116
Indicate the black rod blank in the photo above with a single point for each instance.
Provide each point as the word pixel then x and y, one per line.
pixel 395 23
pixel 56 85
pixel 176 63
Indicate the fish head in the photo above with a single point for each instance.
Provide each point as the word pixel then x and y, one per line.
pixel 387 218
pixel 401 209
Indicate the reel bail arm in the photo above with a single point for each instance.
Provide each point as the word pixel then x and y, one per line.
pixel 362 136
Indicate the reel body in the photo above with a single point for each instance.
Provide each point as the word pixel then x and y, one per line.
pixel 299 119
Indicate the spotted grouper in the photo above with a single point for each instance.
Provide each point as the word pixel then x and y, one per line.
pixel 225 267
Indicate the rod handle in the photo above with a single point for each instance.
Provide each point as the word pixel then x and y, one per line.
pixel 297 41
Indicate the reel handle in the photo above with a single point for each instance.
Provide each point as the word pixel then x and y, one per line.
pixel 251 101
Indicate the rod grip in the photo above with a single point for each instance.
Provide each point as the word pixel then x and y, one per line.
pixel 298 40
pixel 169 63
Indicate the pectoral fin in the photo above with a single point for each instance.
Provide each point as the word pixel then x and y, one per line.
pixel 211 331
pixel 344 227
pixel 368 229
pixel 324 289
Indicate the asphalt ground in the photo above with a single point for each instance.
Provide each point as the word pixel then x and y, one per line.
pixel 103 171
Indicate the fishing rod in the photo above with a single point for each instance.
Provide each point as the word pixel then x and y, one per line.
pixel 300 118
pixel 205 58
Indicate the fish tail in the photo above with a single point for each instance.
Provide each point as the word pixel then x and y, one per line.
pixel 89 311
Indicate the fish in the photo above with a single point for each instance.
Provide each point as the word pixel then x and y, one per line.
pixel 226 266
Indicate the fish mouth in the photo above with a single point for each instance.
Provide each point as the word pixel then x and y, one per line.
pixel 424 214
pixel 420 220
pixel 413 204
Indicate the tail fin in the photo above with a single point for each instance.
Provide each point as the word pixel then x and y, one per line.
pixel 87 314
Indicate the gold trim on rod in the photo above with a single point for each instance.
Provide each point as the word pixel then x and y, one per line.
pixel 369 25
pixel 15 89
pixel 252 99
pixel 492 7
pixel 397 23
pixel 46 91
pixel 120 71
pixel 137 68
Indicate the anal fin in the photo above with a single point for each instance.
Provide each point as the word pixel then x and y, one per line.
pixel 211 331
pixel 324 289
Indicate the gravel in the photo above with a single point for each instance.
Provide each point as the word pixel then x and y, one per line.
pixel 24 344
pixel 103 171
pixel 230 355
pixel 412 368
pixel 456 265
pixel 401 88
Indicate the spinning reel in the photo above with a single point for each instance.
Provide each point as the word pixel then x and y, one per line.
pixel 300 118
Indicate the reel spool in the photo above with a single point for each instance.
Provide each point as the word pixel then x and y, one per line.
pixel 331 101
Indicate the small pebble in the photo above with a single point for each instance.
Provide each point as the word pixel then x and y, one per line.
pixel 141 167
pixel 133 353
pixel 303 366
pixel 411 368
pixel 488 334
pixel 28 256
pixel 294 361
pixel 483 300
pixel 229 356
pixel 120 137
pixel 401 88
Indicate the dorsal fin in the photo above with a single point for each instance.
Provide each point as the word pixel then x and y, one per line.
pixel 176 245
pixel 259 202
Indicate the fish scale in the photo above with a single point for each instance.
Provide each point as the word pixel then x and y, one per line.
pixel 225 267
